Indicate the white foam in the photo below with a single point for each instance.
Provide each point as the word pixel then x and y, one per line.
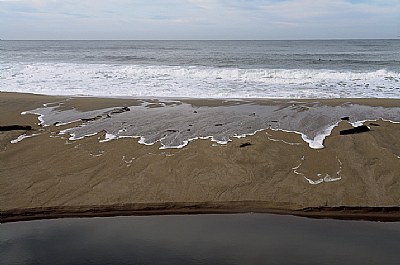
pixel 357 123
pixel 22 137
pixel 142 140
pixel 395 122
pixel 314 182
pixel 196 81
pixel 330 179
pixel 318 141
pixel 73 136
pixel 184 143
pixel 298 166
pixel 128 161
pixel 108 137
pixel 322 177
pixel 40 117
pixel 326 179
pixel 97 155
pixel 279 140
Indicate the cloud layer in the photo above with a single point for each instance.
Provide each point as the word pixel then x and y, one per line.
pixel 199 19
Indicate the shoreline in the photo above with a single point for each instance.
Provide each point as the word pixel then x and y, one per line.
pixel 219 112
pixel 48 176
pixel 379 214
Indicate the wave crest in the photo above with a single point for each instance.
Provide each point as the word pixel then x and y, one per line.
pixel 196 82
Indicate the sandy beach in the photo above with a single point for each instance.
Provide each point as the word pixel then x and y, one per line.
pixel 46 174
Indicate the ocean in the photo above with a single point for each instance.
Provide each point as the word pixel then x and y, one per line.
pixel 203 69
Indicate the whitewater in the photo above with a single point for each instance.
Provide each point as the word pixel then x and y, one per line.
pixel 195 82
pixel 203 69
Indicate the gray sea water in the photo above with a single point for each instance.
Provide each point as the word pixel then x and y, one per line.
pixel 203 69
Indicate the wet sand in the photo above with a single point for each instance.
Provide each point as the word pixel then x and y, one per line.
pixel 50 176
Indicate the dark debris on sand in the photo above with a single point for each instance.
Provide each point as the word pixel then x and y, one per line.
pixel 15 128
pixel 245 144
pixel 358 129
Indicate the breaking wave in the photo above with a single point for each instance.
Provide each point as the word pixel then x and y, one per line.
pixel 195 82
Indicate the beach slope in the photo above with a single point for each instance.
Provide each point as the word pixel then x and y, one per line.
pixel 46 174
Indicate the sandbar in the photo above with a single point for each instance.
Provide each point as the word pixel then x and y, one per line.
pixel 46 174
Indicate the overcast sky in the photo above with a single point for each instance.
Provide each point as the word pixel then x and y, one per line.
pixel 199 19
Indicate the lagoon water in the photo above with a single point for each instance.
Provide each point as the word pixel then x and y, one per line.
pixel 199 239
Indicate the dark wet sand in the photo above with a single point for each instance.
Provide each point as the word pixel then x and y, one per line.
pixel 48 176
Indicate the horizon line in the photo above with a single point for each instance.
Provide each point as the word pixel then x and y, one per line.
pixel 311 39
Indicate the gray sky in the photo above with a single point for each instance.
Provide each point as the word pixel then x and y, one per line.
pixel 199 19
